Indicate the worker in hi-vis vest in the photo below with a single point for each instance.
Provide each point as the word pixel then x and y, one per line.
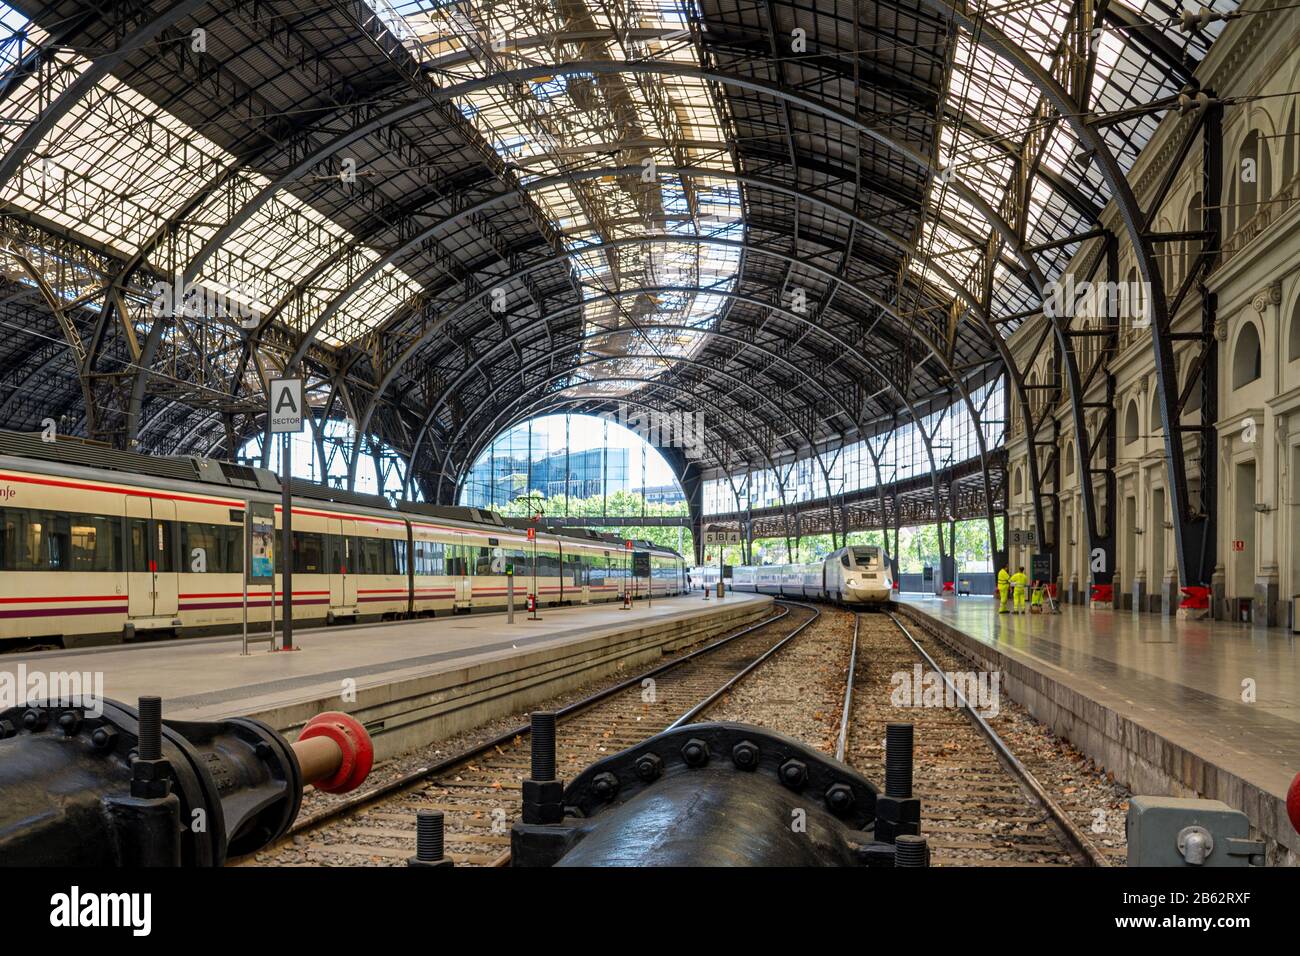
pixel 1020 581
pixel 1004 589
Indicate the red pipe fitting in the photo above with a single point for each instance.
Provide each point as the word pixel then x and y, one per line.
pixel 353 743
pixel 1293 803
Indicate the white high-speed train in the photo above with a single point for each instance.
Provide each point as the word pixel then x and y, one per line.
pixel 856 575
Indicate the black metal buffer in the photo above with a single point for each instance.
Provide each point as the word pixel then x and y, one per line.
pixel 718 794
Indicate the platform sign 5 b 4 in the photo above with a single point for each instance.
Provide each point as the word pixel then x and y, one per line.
pixel 721 537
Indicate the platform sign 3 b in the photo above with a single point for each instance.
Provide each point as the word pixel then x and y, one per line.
pixel 286 405
pixel 1023 537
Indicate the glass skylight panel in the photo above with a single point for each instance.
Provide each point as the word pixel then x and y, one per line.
pixel 113 169
pixel 564 124
pixel 18 36
pixel 117 167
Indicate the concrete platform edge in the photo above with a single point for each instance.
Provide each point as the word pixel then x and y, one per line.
pixel 1141 759
pixel 404 713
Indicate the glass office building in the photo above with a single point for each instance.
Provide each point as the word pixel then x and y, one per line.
pixel 569 458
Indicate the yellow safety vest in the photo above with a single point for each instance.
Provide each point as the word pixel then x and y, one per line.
pixel 1019 579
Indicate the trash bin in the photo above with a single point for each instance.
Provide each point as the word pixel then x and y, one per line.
pixel 1243 610
pixel 1295 614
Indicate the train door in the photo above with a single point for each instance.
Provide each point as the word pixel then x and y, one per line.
pixel 460 571
pixel 337 549
pixel 348 564
pixel 581 578
pixel 169 563
pixel 151 581
pixel 139 576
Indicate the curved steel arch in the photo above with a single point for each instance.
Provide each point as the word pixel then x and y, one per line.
pixel 793 316
pixel 472 367
pixel 434 328
pixel 739 382
pixel 92 76
pixel 848 348
pixel 1134 219
pixel 988 36
pixel 956 286
pixel 392 255
pixel 555 402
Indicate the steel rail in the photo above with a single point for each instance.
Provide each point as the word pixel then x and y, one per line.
pixel 415 776
pixel 704 705
pixel 843 742
pixel 1074 836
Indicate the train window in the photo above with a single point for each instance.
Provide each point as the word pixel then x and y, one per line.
pixel 376 556
pixel 211 548
pixel 866 557
pixel 24 546
pixel 482 558
pixel 308 552
pixel 395 557
pixel 335 553
pixel 139 542
pixel 429 557
pixel 95 543
pixel 163 537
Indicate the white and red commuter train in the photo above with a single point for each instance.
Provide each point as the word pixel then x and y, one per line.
pixel 97 546
pixel 856 575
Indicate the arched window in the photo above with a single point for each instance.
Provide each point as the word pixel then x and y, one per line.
pixel 1156 423
pixel 1254 170
pixel 1194 399
pixel 1018 483
pixel 1135 309
pixel 1230 210
pixel 1195 221
pixel 1293 334
pixel 1067 461
pixel 1131 423
pixel 1247 359
pixel 1288 146
pixel 1166 254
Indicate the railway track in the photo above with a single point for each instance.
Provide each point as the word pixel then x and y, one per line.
pixel 478 790
pixel 980 805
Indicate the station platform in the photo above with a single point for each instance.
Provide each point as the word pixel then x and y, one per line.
pixel 409 682
pixel 1183 708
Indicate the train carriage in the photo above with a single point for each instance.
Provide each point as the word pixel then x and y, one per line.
pixel 98 546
